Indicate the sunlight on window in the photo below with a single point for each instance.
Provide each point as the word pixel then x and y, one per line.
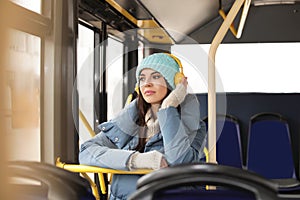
pixel 115 77
pixel 33 5
pixel 85 80
pixel 23 96
pixel 257 67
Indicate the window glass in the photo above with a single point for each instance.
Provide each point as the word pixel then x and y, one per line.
pixel 114 70
pixel 33 5
pixel 23 96
pixel 85 80
pixel 194 61
pixel 255 67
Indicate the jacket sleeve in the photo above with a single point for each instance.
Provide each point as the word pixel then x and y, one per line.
pixel 108 148
pixel 100 151
pixel 184 134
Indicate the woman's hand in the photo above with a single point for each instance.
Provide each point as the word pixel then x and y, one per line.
pixel 149 160
pixel 184 82
pixel 177 96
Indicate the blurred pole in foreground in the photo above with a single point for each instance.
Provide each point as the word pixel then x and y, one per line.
pixel 5 191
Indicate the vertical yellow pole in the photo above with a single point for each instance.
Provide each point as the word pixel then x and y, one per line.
pixel 212 80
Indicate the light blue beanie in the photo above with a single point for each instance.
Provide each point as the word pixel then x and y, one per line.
pixel 162 63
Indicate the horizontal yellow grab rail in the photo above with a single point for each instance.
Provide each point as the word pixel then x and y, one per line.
pixel 83 169
pixel 94 169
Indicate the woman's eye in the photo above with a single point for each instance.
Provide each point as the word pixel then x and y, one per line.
pixel 141 79
pixel 156 76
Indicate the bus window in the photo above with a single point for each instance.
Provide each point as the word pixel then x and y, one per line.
pixel 85 81
pixel 33 5
pixel 23 96
pixel 114 70
pixel 261 67
pixel 194 61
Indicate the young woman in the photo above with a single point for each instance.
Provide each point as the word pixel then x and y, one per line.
pixel 160 128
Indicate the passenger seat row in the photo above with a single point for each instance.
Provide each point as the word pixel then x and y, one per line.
pixel 269 149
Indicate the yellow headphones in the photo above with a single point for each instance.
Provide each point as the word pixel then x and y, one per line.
pixel 179 75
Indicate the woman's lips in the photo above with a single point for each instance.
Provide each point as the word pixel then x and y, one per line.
pixel 149 92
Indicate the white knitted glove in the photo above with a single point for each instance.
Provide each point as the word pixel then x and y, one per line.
pixel 176 97
pixel 148 160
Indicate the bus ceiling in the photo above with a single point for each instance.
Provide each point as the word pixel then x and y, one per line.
pixel 194 21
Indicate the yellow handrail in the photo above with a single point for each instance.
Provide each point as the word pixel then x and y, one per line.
pixel 86 124
pixel 94 169
pixel 84 169
pixel 232 28
pixel 93 185
pixel 238 33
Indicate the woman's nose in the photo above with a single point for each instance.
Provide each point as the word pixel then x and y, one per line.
pixel 148 82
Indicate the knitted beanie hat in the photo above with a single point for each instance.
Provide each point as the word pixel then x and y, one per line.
pixel 162 63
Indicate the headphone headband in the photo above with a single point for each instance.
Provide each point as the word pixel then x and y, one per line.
pixel 177 61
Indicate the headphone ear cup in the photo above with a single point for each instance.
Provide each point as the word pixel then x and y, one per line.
pixel 136 89
pixel 178 77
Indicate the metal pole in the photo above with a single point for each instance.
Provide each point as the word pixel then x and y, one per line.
pixel 212 81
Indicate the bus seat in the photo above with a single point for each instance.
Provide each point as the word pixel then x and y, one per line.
pixel 35 180
pixel 185 182
pixel 269 150
pixel 229 151
pixel 269 146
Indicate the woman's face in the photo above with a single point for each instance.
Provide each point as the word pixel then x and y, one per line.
pixel 153 86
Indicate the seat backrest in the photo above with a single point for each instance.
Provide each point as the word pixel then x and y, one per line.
pixel 56 183
pixel 269 147
pixel 185 181
pixel 229 150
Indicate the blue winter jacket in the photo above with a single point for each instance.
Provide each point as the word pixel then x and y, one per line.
pixel 181 139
